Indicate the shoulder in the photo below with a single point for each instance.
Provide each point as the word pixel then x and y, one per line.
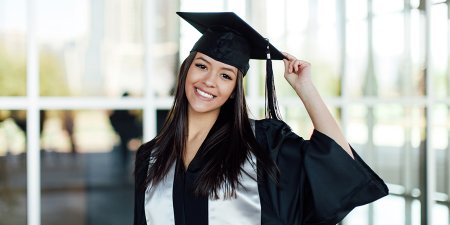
pixel 146 147
pixel 272 125
pixel 275 134
pixel 143 155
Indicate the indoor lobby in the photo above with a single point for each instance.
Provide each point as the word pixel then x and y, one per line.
pixel 83 83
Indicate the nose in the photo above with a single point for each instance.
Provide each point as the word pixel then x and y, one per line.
pixel 210 80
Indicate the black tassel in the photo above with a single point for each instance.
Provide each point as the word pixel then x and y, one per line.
pixel 271 97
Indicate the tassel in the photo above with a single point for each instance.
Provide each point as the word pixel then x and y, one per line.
pixel 271 98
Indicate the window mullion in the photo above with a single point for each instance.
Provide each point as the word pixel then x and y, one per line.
pixel 149 95
pixel 33 145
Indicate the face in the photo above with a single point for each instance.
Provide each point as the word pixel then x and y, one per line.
pixel 209 84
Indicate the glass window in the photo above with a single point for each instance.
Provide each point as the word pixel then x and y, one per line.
pixel 390 210
pixel 298 119
pixel 439 142
pixel 439 54
pixel 13 48
pixel 416 50
pixel 298 13
pixel 388 53
pixel 438 1
pixel 388 138
pixel 87 165
pixel 324 56
pixel 356 60
pixel 88 48
pixel 13 167
pixel 355 9
pixel 387 6
pixel 440 214
pixel 311 35
pixel 97 48
pixel 165 51
pixel 391 65
pixel 326 12
pixel 358 216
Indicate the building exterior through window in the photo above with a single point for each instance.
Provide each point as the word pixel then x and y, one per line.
pixel 77 76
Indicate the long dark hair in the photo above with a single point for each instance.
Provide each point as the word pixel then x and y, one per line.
pixel 228 144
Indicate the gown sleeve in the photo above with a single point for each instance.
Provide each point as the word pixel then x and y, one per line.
pixel 319 182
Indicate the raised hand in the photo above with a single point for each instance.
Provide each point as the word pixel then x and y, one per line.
pixel 297 72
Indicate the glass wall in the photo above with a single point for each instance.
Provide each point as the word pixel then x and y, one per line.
pixel 108 66
pixel 382 68
pixel 13 47
pixel 86 165
pixel 90 48
pixel 13 167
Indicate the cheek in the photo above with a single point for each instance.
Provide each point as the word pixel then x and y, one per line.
pixel 228 89
pixel 188 81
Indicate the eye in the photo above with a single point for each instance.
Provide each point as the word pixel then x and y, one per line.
pixel 226 76
pixel 201 66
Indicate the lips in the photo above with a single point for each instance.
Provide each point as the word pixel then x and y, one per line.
pixel 204 94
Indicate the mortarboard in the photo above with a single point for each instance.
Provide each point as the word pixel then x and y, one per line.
pixel 229 39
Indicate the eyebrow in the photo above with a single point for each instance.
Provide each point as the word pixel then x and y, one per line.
pixel 224 68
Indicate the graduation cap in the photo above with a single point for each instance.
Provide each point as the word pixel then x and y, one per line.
pixel 230 40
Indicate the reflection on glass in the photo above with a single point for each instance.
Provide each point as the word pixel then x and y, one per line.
pixel 90 47
pixel 87 166
pixel 13 168
pixel 12 48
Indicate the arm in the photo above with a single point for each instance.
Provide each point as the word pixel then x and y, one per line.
pixel 298 74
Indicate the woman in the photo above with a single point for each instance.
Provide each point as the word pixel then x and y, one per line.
pixel 211 164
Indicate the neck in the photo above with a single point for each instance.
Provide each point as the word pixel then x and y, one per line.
pixel 200 123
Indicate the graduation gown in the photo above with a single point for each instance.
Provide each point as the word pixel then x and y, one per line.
pixel 319 185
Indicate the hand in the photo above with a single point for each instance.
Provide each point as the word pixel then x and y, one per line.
pixel 297 72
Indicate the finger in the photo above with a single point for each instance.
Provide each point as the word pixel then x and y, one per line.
pixel 304 64
pixel 292 66
pixel 288 56
pixel 295 65
pixel 286 65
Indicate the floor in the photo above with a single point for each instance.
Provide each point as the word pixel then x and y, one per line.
pixel 77 189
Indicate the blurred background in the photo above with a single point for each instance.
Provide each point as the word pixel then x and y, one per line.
pixel 84 82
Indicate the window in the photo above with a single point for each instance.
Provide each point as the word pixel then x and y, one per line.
pixel 73 72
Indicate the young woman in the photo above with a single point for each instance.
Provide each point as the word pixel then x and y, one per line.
pixel 211 164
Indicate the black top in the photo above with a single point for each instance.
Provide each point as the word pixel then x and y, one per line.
pixel 319 182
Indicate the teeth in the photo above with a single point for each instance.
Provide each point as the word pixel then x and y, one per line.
pixel 204 94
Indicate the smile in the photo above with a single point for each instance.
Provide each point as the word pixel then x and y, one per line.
pixel 204 94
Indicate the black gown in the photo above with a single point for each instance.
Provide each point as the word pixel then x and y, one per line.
pixel 319 182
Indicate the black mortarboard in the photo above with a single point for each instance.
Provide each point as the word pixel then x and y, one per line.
pixel 229 39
